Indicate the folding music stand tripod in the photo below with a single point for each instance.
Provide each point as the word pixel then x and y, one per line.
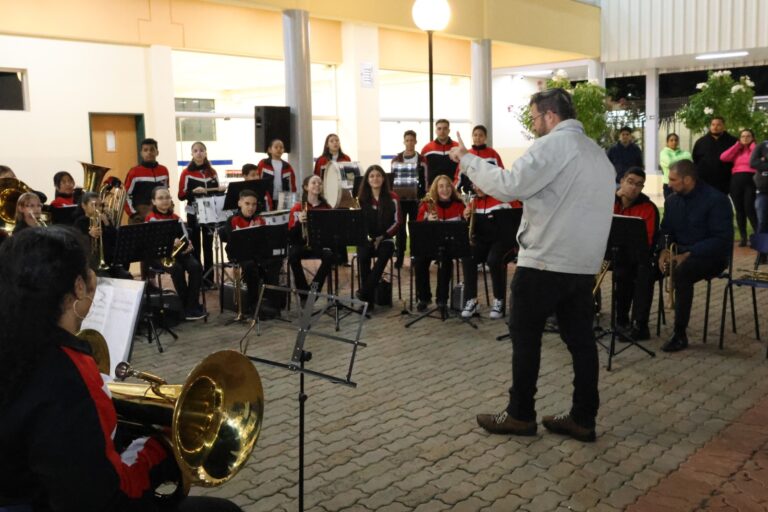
pixel 146 242
pixel 336 229
pixel 439 240
pixel 629 237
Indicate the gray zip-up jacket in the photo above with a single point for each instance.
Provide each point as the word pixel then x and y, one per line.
pixel 567 187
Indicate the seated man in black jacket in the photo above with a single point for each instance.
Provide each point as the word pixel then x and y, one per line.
pixel 699 219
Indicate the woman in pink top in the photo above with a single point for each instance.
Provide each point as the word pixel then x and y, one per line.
pixel 742 184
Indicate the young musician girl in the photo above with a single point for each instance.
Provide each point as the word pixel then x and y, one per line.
pixel 331 153
pixel 481 149
pixel 199 179
pixel 442 203
pixel 298 234
pixel 188 288
pixel 66 194
pixel 90 207
pixel 381 211
pixel 277 172
pixel 487 247
pixel 28 210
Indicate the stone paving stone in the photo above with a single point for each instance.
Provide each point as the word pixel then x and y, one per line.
pixel 505 504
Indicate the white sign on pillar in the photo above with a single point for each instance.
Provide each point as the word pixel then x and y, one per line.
pixel 366 75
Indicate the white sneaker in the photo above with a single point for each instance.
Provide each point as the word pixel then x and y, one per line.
pixel 497 309
pixel 470 308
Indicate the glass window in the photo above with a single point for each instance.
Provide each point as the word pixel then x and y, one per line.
pixel 12 90
pixel 192 129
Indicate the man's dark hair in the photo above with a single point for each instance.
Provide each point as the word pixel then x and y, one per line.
pixel 443 121
pixel 60 176
pixel 722 120
pixel 409 132
pixel 246 192
pixel 556 100
pixel 673 134
pixel 149 142
pixel 684 168
pixel 87 197
pixel 626 129
pixel 481 128
pixel 247 168
pixel 637 171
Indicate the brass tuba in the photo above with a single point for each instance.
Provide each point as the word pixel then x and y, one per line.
pixel 112 196
pixel 10 191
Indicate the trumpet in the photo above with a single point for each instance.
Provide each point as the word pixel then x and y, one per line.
pixel 305 224
pixel 170 261
pixel 669 272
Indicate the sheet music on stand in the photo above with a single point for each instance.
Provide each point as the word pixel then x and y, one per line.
pixel 114 313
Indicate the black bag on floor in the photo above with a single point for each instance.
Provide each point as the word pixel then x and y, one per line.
pixel 384 293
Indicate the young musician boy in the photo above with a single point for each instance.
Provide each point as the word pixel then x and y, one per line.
pixel 409 207
pixel 142 180
pixel 251 172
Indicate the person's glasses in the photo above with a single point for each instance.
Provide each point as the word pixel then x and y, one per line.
pixel 533 118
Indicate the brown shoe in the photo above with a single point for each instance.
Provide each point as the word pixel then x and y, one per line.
pixel 565 425
pixel 503 423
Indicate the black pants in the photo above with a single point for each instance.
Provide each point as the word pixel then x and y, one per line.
pixel 202 239
pixel 634 288
pixel 536 294
pixel 207 504
pixel 187 290
pixel 743 192
pixel 369 278
pixel 408 209
pixel 297 253
pixel 421 271
pixel 495 254
pixel 254 274
pixel 687 274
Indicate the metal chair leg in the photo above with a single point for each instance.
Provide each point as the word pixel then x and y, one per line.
pixel 706 310
pixel 722 317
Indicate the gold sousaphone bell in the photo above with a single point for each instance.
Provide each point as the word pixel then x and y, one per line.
pixel 10 191
pixel 212 420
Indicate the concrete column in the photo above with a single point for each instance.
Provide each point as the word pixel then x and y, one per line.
pixel 651 135
pixel 358 94
pixel 596 71
pixel 481 83
pixel 160 120
pixel 298 93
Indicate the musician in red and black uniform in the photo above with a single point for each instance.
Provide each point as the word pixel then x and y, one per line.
pixel 59 430
pixel 481 149
pixel 90 206
pixel 311 199
pixel 277 172
pixel 408 207
pixel 488 246
pixel 254 272
pixel 442 203
pixel 199 179
pixel 142 180
pixel 381 213
pixel 67 196
pixel 185 262
pixel 635 279
pixel 251 172
pixel 331 153
pixel 436 153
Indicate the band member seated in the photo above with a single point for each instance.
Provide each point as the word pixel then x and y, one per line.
pixel 488 247
pixel 635 279
pixel 28 211
pixel 698 218
pixel 91 221
pixel 481 149
pixel 66 193
pixel 276 171
pixel 442 203
pixel 409 207
pixel 251 172
pixel 298 235
pixel 188 289
pixel 57 436
pixel 331 153
pixel 142 180
pixel 254 273
pixel 381 212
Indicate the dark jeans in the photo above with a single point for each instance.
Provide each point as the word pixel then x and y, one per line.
pixel 369 278
pixel 687 274
pixel 743 192
pixel 266 272
pixel 495 254
pixel 297 253
pixel 201 238
pixel 188 291
pixel 408 210
pixel 761 207
pixel 536 294
pixel 634 287
pixel 421 271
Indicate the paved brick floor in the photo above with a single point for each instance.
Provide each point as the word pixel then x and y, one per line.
pixel 406 437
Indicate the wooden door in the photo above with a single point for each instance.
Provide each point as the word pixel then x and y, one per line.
pixel 114 142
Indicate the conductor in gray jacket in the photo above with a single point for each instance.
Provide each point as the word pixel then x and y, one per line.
pixel 566 184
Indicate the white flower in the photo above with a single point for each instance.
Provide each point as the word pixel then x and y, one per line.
pixel 749 83
pixel 701 85
pixel 726 72
pixel 561 73
pixel 709 111
pixel 737 88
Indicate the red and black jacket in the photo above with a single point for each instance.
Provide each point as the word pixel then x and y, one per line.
pixel 446 211
pixel 294 226
pixel 63 200
pixel 287 176
pixel 485 227
pixel 322 163
pixel 155 215
pixel 194 176
pixel 644 208
pixel 461 181
pixel 375 222
pixel 438 161
pixel 239 221
pixel 421 162
pixel 141 181
pixel 56 440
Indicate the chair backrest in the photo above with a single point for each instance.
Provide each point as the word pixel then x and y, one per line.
pixel 759 242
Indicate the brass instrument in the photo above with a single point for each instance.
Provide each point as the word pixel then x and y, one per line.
pixel 239 292
pixel 752 274
pixel 10 191
pixel 212 421
pixel 97 245
pixel 43 220
pixel 112 196
pixel 600 276
pixel 305 224
pixel 431 206
pixel 169 261
pixel 669 272
pixel 472 212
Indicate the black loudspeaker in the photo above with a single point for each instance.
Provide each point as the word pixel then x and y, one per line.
pixel 272 123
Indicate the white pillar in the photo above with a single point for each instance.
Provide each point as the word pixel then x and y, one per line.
pixel 596 71
pixel 651 135
pixel 481 83
pixel 358 94
pixel 298 93
pixel 160 121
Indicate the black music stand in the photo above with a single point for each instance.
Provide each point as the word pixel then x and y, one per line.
pixel 64 214
pixel 629 237
pixel 439 240
pixel 146 242
pixel 335 229
pixel 261 187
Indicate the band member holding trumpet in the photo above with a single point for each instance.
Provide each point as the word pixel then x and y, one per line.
pixel 91 221
pixel 486 247
pixel 442 203
pixel 183 261
pixel 331 153
pixel 635 279
pixel 142 180
pixel 698 218
pixel 28 212
pixel 276 171
pixel 381 211
pixel 298 235
pixel 56 438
